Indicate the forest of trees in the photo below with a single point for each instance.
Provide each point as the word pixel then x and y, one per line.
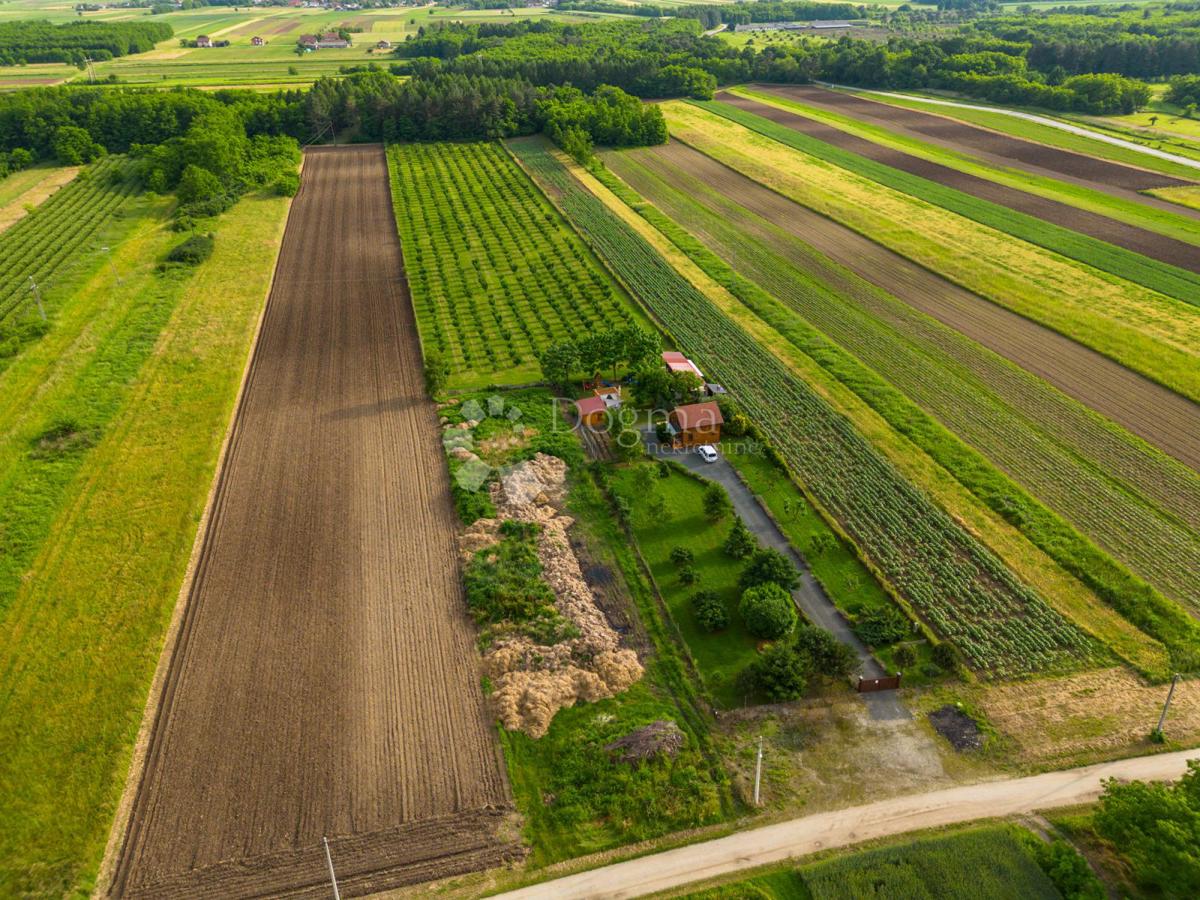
pixel 73 42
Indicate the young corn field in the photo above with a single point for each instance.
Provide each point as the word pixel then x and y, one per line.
pixel 954 583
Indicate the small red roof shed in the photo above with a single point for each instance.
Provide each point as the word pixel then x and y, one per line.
pixel 697 415
pixel 591 410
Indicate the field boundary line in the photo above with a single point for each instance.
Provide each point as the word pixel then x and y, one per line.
pixel 122 818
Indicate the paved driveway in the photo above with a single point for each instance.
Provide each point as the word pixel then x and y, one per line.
pixel 810 597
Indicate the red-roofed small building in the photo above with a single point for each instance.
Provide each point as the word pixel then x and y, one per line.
pixel 695 424
pixel 677 362
pixel 592 411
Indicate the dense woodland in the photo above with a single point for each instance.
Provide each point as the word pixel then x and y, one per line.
pixel 73 42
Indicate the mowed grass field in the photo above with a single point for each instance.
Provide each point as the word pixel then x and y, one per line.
pixel 1147 331
pixel 24 191
pixel 143 373
pixel 495 273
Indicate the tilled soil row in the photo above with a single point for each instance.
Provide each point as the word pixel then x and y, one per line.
pixel 325 681
pixel 973 139
pixel 1155 413
pixel 1139 240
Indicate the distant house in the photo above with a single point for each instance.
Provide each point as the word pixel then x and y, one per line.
pixel 695 424
pixel 331 40
pixel 308 41
pixel 204 41
pixel 383 45
pixel 256 42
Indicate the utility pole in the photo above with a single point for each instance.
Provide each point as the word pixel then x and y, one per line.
pixel 332 877
pixel 758 771
pixel 37 297
pixel 111 266
pixel 1162 720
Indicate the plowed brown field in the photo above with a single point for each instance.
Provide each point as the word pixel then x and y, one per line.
pixel 944 131
pixel 1158 415
pixel 1139 240
pixel 324 680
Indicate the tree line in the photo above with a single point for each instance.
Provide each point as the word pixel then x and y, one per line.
pixel 40 42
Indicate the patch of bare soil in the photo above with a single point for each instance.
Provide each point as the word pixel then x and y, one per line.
pixel 1089 715
pixel 325 681
pixel 957 727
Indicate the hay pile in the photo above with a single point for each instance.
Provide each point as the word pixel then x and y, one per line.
pixel 534 681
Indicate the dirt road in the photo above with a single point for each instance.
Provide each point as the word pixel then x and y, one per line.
pixel 774 843
pixel 324 682
pixel 1148 243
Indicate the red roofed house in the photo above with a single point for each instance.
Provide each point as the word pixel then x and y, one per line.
pixel 203 40
pixel 592 411
pixel 677 362
pixel 695 424
pixel 256 42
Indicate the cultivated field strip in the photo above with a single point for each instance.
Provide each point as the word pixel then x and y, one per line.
pixel 324 682
pixel 1139 505
pixel 1156 414
pixel 495 274
pixel 43 244
pixel 1102 174
pixel 1112 231
pixel 955 584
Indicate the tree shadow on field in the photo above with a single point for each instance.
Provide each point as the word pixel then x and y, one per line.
pixel 364 410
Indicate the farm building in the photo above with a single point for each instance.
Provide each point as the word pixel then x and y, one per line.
pixel 256 41
pixel 677 362
pixel 592 411
pixel 383 45
pixel 203 40
pixel 695 424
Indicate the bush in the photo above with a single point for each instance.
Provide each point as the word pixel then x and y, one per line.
pixel 286 185
pixel 946 655
pixel 710 612
pixel 688 575
pixel 1066 869
pixel 769 566
pixel 198 187
pixel 905 657
pixel 768 611
pixel 826 655
pixel 192 251
pixel 779 674
pixel 716 502
pixel 740 543
pixel 878 627
pixel 682 556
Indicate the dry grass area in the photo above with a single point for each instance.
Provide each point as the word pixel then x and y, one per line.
pixel 1184 196
pixel 1145 330
pixel 1088 716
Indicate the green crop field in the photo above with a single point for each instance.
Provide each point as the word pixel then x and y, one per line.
pixel 1171 281
pixel 1138 214
pixel 112 424
pixel 957 586
pixel 1137 503
pixel 1143 329
pixel 40 252
pixel 495 273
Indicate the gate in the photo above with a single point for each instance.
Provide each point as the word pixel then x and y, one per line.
pixel 869 685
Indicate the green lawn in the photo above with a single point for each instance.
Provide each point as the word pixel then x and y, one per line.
pixel 721 656
pixel 101 520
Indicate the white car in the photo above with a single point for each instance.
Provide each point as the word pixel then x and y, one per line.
pixel 708 453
